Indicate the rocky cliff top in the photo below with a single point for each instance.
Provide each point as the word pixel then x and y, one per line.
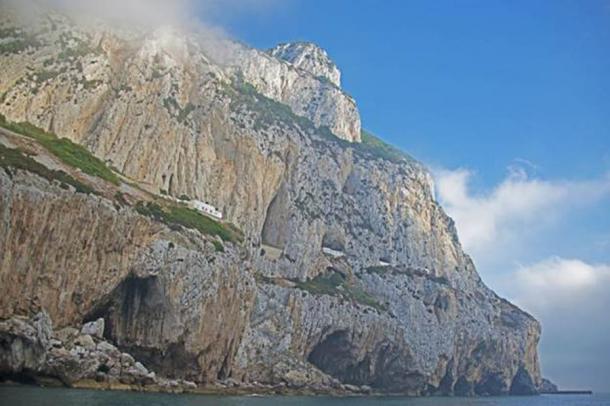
pixel 212 57
pixel 309 57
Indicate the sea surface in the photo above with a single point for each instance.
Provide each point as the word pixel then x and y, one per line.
pixel 35 396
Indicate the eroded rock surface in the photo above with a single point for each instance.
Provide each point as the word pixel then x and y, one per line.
pixel 349 273
pixel 40 354
pixel 309 57
pixel 155 288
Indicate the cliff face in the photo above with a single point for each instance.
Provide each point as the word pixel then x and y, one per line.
pixel 310 58
pixel 349 271
pixel 161 292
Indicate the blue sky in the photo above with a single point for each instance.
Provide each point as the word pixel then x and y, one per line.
pixel 508 102
pixel 459 82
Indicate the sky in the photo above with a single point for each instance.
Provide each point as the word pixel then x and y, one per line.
pixel 508 104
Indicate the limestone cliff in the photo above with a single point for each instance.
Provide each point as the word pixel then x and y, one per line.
pixel 349 272
pixel 309 57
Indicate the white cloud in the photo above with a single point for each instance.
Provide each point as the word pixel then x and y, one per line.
pixel 570 298
pixel 557 282
pixel 148 13
pixel 491 222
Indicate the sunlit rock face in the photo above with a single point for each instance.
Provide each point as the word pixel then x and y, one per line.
pixel 310 58
pixel 349 272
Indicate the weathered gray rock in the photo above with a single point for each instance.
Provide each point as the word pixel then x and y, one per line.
pixel 547 386
pixel 106 347
pixel 127 359
pixel 24 345
pixel 94 328
pixel 140 368
pixel 24 353
pixel 85 341
pixel 309 57
pixel 66 334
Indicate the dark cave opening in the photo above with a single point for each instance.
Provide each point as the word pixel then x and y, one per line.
pixel 276 220
pixel 123 305
pixel 134 314
pixel 334 241
pixel 335 356
pixel 522 383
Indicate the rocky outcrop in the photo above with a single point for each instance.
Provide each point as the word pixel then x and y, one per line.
pixel 547 386
pixel 83 68
pixel 158 290
pixel 33 351
pixel 310 58
pixel 306 93
pixel 349 273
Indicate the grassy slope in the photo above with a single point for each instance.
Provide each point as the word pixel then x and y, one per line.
pixel 178 215
pixel 79 157
pixel 377 147
pixel 68 152
pixel 335 284
pixel 13 158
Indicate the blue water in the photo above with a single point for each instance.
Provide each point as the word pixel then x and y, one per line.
pixel 34 396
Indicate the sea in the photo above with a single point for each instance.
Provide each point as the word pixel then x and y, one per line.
pixel 36 396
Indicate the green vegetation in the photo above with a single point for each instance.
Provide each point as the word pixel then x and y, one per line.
pixel 440 279
pixel 335 284
pixel 73 47
pixel 184 197
pixel 90 84
pixel 388 270
pixel 189 218
pixel 260 278
pixel 325 284
pixel 268 111
pixel 378 148
pixel 120 198
pixel 171 105
pixel 9 32
pixel 44 75
pixel 183 113
pixel 218 246
pixel 14 158
pixel 379 270
pixel 359 295
pixel 325 80
pixel 17 46
pixel 68 152
pixel 19 41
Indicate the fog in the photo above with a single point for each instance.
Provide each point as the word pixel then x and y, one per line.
pixel 146 14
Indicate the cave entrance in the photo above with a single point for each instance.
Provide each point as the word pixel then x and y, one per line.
pixel 334 241
pixel 275 227
pixel 335 356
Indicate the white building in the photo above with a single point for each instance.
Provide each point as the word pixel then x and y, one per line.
pixel 205 208
pixel 333 253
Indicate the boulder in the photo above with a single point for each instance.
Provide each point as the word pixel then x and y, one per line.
pixel 66 334
pixel 127 359
pixel 141 369
pixel 85 341
pixel 24 344
pixel 106 347
pixel 94 328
